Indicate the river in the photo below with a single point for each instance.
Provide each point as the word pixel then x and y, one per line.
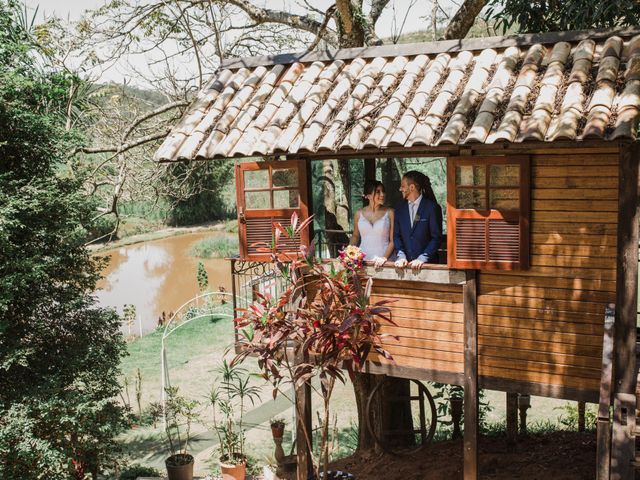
pixel 157 276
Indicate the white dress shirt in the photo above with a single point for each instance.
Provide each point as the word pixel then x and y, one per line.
pixel 413 208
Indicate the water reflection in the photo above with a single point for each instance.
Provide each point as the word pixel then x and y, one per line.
pixel 157 276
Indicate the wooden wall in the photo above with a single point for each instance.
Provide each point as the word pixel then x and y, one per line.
pixel 545 324
pixel 429 324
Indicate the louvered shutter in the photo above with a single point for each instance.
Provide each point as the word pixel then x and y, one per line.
pixel 488 212
pixel 269 192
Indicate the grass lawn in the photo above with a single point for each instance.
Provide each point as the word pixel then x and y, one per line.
pixel 194 352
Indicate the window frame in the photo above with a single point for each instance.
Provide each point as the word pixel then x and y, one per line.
pixel 522 215
pixel 273 213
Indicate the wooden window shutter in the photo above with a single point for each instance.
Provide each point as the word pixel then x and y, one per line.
pixel 269 192
pixel 488 205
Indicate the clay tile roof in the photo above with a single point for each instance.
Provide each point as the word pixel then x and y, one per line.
pixel 543 87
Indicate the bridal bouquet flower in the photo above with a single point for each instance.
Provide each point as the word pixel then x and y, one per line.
pixel 352 257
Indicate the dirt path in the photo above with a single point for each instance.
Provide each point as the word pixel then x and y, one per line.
pixel 554 456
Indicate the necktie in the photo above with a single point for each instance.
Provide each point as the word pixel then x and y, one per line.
pixel 412 211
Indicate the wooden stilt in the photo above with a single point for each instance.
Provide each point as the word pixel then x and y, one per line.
pixel 524 404
pixel 603 458
pixel 512 418
pixel 470 377
pixel 582 406
pixel 622 451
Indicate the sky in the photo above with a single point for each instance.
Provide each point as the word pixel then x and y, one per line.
pixel 73 9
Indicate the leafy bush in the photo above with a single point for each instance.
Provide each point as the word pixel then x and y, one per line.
pixel 216 247
pixel 136 470
pixel 569 417
pixel 231 226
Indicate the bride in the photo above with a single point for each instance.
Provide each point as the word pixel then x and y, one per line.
pixel 373 229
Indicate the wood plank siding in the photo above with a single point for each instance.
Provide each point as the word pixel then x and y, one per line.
pixel 428 323
pixel 544 325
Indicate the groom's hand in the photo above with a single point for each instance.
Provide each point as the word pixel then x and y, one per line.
pixel 416 264
pixel 401 263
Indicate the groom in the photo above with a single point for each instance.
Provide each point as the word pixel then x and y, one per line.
pixel 417 231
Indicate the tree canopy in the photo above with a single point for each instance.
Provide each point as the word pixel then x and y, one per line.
pixel 525 16
pixel 59 353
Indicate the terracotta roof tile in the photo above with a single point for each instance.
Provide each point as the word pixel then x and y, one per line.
pixel 507 92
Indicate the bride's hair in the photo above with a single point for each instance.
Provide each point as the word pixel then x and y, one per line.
pixel 370 186
pixel 422 182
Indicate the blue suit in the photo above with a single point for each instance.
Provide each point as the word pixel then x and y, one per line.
pixel 422 239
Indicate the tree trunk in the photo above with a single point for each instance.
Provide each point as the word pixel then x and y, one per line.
pixel 392 172
pixel 351 32
pixel 363 385
pixel 396 408
pixel 335 235
pixel 389 411
pixel 463 20
pixel 343 212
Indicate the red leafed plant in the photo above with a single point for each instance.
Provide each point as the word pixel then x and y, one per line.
pixel 320 326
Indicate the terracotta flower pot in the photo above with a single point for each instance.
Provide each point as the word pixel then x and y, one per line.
pixel 233 472
pixel 179 466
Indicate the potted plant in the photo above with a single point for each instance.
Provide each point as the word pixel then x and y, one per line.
pixel 228 400
pixel 277 427
pixel 179 415
pixel 335 326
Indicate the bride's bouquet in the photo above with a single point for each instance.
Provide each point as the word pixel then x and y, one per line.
pixel 352 258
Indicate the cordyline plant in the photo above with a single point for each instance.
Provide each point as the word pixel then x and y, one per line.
pixel 321 325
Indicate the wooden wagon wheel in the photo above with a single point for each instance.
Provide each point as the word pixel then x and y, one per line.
pixel 424 431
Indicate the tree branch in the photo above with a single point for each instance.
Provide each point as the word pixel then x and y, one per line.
pixel 301 22
pixel 463 20
pixel 123 147
pixel 370 37
pixel 327 16
pixel 126 146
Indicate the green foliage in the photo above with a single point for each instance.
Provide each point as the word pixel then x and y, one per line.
pixel 180 413
pixel 231 226
pixel 228 399
pixel 59 352
pixel 569 417
pixel 203 278
pixel 209 179
pixel 136 470
pixel 216 247
pixel 551 15
pixel 445 391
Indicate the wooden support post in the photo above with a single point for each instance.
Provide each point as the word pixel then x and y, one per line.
pixel 303 431
pixel 524 404
pixel 581 421
pixel 469 294
pixel 603 455
pixel 623 440
pixel 456 416
pixel 623 447
pixel 512 418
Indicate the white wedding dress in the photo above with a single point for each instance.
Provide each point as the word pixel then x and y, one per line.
pixel 374 237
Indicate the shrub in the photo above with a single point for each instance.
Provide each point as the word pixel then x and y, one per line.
pixel 215 247
pixel 136 470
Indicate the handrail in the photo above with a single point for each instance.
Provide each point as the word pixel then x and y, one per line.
pixel 606 381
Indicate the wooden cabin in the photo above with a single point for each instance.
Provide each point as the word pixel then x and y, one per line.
pixel 539 132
